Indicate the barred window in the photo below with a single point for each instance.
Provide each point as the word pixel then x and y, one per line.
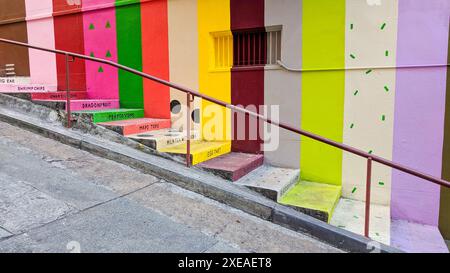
pixel 250 48
pixel 257 47
pixel 223 50
pixel 273 46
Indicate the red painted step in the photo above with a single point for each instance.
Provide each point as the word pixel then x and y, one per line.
pixel 137 126
pixel 60 95
pixel 233 166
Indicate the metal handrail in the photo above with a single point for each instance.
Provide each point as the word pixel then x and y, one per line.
pixel 192 93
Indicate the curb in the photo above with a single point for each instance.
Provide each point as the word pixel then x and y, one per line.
pixel 202 183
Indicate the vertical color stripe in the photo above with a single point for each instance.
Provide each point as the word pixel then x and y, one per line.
pixel 14 27
pixel 369 109
pixel 100 41
pixel 444 212
pixel 184 57
pixel 155 57
pixel 419 108
pixel 247 84
pixel 322 91
pixel 64 24
pixel 129 48
pixel 41 33
pixel 281 87
pixel 213 17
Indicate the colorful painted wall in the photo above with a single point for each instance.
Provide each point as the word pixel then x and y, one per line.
pixel 372 74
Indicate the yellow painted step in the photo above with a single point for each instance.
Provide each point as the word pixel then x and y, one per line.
pixel 315 199
pixel 200 150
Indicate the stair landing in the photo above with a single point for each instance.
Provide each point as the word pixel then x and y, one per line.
pixel 350 215
pixel 315 199
pixel 233 166
pixel 417 238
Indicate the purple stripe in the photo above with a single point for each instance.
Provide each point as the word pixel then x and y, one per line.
pixel 419 107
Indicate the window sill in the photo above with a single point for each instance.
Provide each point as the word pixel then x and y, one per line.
pixel 248 68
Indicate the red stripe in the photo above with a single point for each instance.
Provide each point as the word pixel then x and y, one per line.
pixel 155 55
pixel 69 37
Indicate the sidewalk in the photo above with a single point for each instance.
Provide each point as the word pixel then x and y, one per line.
pixel 55 198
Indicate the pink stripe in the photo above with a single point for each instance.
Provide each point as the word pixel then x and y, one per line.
pixel 40 32
pixel 99 38
pixel 84 105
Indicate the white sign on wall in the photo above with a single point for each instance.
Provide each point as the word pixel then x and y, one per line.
pixel 15 80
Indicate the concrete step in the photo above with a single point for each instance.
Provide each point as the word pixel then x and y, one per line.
pixel 417 238
pixel 350 215
pixel 60 95
pixel 26 88
pixel 110 114
pixel 233 166
pixel 137 126
pixel 80 105
pixel 315 199
pixel 270 181
pixel 200 150
pixel 164 138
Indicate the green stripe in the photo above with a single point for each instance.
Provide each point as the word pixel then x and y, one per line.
pixel 129 46
pixel 323 92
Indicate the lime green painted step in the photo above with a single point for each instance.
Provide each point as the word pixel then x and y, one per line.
pixel 315 199
pixel 200 150
pixel 111 115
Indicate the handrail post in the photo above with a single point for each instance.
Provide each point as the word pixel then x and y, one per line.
pixel 188 130
pixel 368 190
pixel 68 110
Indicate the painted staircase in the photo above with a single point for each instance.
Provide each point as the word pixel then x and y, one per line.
pixel 322 201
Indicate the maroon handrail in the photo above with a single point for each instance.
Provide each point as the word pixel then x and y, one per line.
pixel 370 157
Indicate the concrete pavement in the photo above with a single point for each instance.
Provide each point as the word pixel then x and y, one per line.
pixel 55 198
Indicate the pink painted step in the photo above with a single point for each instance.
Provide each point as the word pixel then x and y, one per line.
pixel 60 95
pixel 89 105
pixel 137 126
pixel 417 238
pixel 26 88
pixel 233 166
pixel 83 105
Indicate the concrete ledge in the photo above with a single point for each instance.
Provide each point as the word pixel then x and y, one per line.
pixel 198 181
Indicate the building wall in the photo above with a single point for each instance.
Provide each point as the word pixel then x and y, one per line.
pixel 420 107
pixel 282 87
pixel 183 59
pixel 322 102
pixel 214 18
pixel 370 74
pixel 155 57
pixel 40 31
pixel 444 215
pixel 370 56
pixel 247 83
pixel 129 46
pixel 100 40
pixel 14 27
pixel 69 36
